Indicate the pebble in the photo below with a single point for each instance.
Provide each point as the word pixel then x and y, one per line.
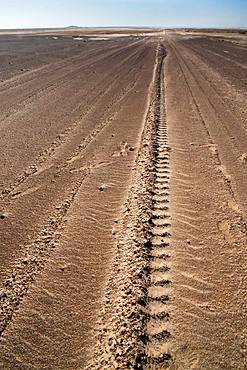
pixel 102 187
pixel 2 294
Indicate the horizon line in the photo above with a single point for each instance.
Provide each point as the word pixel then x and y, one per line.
pixel 123 27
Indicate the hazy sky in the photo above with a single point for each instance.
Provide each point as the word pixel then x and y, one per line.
pixel 165 13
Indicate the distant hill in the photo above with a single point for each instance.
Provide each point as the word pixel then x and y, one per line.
pixel 72 27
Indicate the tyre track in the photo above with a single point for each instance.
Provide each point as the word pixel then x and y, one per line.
pixel 34 258
pixel 133 327
pixel 53 67
pixel 62 80
pixel 212 143
pixel 224 130
pixel 59 57
pixel 39 250
pixel 201 283
pixel 235 77
pixel 50 79
pixel 50 152
pixel 157 353
pixel 230 60
pixel 199 62
pixel 27 77
pixel 136 71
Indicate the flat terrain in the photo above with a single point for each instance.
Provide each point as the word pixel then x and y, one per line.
pixel 206 107
pixel 123 203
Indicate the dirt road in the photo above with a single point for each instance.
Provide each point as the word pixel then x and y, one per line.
pixel 123 204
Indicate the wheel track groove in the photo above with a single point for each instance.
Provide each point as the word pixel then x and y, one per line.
pixel 25 270
pixel 48 153
pixel 36 253
pixel 58 82
pixel 225 131
pixel 157 353
pixel 135 318
pixel 33 260
pixel 94 54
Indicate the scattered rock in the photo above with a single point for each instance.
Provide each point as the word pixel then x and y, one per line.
pixel 102 187
pixel 2 293
pixel 3 216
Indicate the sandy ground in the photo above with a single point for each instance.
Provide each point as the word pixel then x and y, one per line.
pixel 123 203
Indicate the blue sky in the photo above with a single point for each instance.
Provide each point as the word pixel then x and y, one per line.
pixel 164 13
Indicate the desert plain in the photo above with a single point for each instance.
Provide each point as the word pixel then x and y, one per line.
pixel 123 201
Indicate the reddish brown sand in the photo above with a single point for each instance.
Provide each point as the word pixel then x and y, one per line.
pixel 123 202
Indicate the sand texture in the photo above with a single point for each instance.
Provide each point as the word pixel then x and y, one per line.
pixel 123 202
